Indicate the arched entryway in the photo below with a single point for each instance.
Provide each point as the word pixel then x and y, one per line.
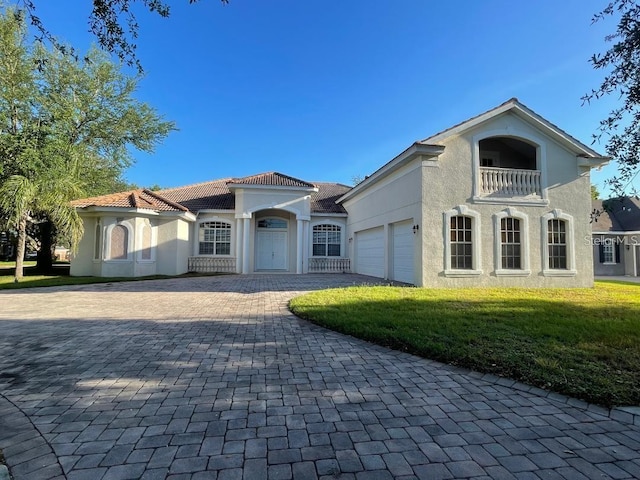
pixel 272 241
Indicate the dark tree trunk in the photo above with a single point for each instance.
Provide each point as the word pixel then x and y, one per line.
pixel 45 254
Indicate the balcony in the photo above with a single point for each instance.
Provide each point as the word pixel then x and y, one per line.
pixel 509 182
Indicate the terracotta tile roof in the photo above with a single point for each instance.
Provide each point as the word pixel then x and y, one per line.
pixel 324 200
pixel 214 195
pixel 616 215
pixel 141 198
pixel 271 179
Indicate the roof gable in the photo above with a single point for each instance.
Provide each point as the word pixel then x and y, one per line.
pixel 272 179
pixel 514 106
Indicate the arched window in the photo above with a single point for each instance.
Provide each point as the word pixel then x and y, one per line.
pixel 119 243
pixel 557 243
pixel 97 242
pixel 215 238
pixel 145 252
pixel 461 237
pixel 511 243
pixel 558 249
pixel 327 240
pixel 462 242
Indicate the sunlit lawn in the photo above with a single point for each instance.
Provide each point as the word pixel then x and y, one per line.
pixel 581 342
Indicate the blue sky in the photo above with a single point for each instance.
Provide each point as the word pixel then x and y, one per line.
pixel 331 90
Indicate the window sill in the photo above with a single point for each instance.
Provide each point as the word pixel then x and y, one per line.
pixel 462 273
pixel 559 273
pixel 146 261
pixel 609 263
pixel 512 273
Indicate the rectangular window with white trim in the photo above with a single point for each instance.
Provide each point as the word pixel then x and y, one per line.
pixel 326 240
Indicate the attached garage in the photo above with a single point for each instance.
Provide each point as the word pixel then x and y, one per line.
pixel 402 252
pixel 370 252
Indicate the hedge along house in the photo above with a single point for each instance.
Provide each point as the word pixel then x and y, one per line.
pixel 502 199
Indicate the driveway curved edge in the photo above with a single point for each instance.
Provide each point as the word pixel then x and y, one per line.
pixel 213 377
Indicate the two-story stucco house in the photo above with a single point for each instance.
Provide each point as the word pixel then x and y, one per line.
pixel 502 199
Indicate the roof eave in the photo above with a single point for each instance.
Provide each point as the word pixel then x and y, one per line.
pixel 417 150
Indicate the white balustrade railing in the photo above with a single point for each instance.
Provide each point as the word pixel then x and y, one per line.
pixel 212 264
pixel 509 182
pixel 329 265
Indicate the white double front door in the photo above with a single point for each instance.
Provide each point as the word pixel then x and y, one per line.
pixel 271 250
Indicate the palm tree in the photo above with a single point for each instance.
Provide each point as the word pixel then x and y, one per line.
pixel 47 193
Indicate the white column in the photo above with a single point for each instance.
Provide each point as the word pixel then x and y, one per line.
pixel 246 230
pixel 299 234
pixel 305 247
pixel 239 257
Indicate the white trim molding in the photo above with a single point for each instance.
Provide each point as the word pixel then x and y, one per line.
pixel 525 268
pixel 570 271
pixel 476 240
pixel 140 241
pixel 107 242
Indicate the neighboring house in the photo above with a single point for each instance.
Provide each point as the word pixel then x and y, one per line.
pixel 502 199
pixel 616 236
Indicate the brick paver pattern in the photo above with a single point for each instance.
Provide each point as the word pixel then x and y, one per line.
pixel 213 378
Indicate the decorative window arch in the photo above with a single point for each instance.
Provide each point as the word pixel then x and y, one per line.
pixel 511 238
pixel 462 242
pixel 97 241
pixel 146 241
pixel 558 251
pixel 214 238
pixel 522 192
pixel 326 240
pixel 118 242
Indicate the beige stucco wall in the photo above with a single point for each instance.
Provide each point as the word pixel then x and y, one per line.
pixel 174 246
pixel 393 199
pixel 169 246
pixel 451 184
pixel 82 262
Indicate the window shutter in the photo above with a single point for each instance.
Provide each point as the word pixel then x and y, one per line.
pixel 601 250
pixel 617 253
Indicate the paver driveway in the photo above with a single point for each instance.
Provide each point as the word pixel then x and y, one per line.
pixel 213 378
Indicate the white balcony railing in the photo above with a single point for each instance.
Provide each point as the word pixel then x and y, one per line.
pixel 329 265
pixel 212 264
pixel 509 182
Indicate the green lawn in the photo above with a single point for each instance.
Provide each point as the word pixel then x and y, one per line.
pixel 581 342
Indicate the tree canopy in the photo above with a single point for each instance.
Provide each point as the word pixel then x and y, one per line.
pixel 621 129
pixel 66 130
pixel 113 22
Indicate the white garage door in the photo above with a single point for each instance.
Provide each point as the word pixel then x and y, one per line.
pixel 370 252
pixel 402 256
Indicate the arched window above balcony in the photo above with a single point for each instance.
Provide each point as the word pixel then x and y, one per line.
pixel 507 152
